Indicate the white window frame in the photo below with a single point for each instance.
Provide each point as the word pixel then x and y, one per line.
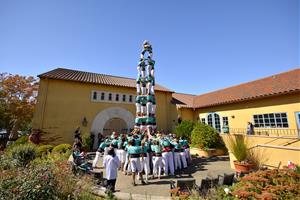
pixel 113 97
pixel 275 121
pixel 213 120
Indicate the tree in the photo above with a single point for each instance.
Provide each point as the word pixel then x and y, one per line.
pixel 17 101
pixel 184 129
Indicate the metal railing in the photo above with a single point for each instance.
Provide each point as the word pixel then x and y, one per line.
pixel 268 131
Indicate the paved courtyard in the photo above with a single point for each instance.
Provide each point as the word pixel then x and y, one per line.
pixel 199 169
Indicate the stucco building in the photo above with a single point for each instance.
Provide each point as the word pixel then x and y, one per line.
pixel 104 103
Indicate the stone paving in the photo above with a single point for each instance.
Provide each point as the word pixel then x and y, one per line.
pixel 159 189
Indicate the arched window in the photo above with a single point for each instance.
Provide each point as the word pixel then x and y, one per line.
pixel 95 95
pixel 102 96
pixel 124 97
pixel 109 96
pixel 130 98
pixel 213 119
pixel 117 97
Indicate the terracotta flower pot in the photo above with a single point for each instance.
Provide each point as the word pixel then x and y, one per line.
pixel 243 167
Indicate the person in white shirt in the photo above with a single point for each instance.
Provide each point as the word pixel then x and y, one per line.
pixel 111 164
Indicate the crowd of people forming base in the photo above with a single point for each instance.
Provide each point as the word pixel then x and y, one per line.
pixel 139 153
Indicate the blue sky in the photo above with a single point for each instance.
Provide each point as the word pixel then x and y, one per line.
pixel 199 46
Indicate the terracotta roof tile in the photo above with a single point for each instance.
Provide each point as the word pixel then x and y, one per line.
pixel 88 77
pixel 286 82
pixel 183 100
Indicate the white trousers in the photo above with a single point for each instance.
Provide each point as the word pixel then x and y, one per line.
pixel 143 90
pixel 135 164
pixel 168 162
pixel 149 108
pixel 138 88
pixel 145 165
pixel 153 109
pixel 188 154
pixel 127 167
pixel 177 160
pixel 96 159
pixel 157 165
pixel 121 153
pixel 183 159
pixel 138 107
pixel 144 109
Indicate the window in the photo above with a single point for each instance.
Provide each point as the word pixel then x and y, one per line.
pixel 271 120
pixel 203 120
pixel 95 95
pixel 117 97
pixel 124 98
pixel 109 96
pixel 102 96
pixel 225 121
pixel 213 119
pixel 130 98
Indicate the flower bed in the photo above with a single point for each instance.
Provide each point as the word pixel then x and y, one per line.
pixel 267 184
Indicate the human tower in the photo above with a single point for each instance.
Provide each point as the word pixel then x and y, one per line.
pixel 145 83
pixel 144 150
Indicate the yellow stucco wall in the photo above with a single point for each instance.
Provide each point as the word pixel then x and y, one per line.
pixel 62 105
pixel 186 114
pixel 240 113
pixel 273 151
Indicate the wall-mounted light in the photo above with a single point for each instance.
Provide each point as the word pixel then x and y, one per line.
pixel 84 121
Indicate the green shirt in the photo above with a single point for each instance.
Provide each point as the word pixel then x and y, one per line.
pixel 150 120
pixel 134 150
pixel 151 62
pixel 156 148
pixel 150 98
pixel 183 142
pixel 150 79
pixel 165 142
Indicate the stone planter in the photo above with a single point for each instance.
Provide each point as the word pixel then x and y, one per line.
pixel 243 167
pixel 207 153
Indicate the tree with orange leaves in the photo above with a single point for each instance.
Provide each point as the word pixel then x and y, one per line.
pixel 17 101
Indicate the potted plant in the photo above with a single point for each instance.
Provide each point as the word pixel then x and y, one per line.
pixel 238 146
pixel 206 141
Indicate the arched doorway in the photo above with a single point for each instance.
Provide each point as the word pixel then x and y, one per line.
pixel 115 124
pixel 213 119
pixel 104 117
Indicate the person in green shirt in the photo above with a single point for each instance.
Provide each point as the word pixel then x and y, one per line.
pixel 157 158
pixel 186 147
pixel 134 153
pixel 167 155
pixel 144 159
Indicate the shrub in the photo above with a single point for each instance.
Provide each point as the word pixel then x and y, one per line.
pixel 43 180
pixel 62 148
pixel 21 140
pixel 274 184
pixel 204 136
pixel 184 129
pixel 44 149
pixel 5 162
pixel 23 154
